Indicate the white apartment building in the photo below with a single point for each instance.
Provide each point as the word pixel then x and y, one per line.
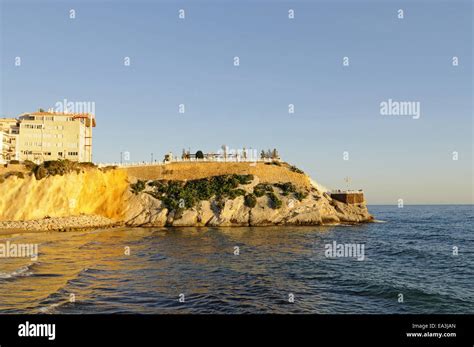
pixel 9 132
pixel 51 135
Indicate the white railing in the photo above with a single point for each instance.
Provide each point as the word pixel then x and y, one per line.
pixel 180 160
pixel 131 164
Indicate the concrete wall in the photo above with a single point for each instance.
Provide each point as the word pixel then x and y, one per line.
pixel 194 170
pixel 349 198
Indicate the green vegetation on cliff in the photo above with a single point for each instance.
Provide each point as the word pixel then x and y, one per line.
pixel 47 168
pixel 56 167
pixel 300 195
pixel 178 195
pixel 138 186
pixel 286 188
pixel 250 200
pixel 181 195
pixel 275 203
pixel 295 169
pixel 11 173
pixel 262 188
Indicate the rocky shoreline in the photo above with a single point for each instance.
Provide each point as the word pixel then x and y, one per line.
pixel 310 206
pixel 84 223
pixel 70 223
pixel 178 195
pixel 147 211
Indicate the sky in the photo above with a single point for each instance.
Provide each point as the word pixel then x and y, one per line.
pixel 283 61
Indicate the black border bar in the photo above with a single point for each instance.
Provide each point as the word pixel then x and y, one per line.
pixel 175 329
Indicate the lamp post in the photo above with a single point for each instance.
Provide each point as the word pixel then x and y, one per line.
pixel 348 181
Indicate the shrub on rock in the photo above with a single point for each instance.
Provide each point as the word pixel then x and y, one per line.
pixel 274 202
pixel 250 200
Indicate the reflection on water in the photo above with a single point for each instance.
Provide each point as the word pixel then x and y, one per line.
pixel 402 256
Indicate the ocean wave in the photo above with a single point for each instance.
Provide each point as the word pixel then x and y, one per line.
pixel 55 306
pixel 50 309
pixel 89 244
pixel 405 258
pixel 23 271
pixel 55 300
pixel 86 275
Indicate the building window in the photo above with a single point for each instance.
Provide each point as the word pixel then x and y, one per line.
pixel 33 126
pixel 72 153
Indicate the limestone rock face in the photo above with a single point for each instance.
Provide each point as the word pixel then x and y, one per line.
pixel 315 209
pixel 234 213
pixel 91 192
pixel 262 214
pixel 205 214
pixel 188 218
pixel 145 210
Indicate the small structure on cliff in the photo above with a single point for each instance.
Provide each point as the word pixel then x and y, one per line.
pixel 232 155
pixel 348 196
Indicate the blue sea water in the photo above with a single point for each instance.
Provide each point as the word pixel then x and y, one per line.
pixel 408 255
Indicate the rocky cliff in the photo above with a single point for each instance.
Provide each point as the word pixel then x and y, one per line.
pixel 309 207
pixel 173 195
pixel 89 192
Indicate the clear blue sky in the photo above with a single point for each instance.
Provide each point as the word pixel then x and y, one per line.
pixel 282 61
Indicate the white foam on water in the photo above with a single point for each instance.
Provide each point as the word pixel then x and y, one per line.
pixel 21 272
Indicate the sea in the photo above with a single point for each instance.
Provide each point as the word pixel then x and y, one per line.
pixel 415 259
